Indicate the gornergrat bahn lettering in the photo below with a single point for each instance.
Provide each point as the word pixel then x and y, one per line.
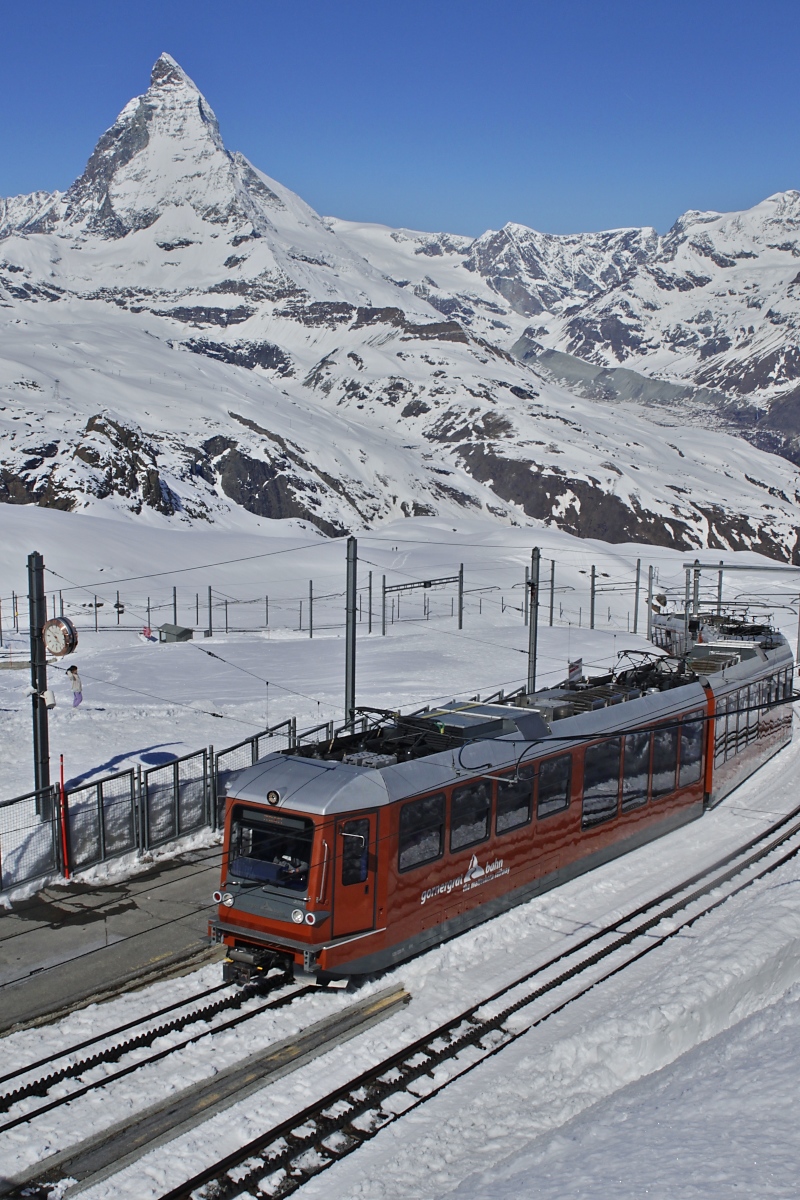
pixel 349 856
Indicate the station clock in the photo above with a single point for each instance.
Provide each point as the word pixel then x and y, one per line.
pixel 60 636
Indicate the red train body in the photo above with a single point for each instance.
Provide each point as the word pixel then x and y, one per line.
pixel 345 858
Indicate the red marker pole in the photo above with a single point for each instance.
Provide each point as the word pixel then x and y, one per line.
pixel 64 812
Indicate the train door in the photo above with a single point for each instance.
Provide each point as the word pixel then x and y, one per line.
pixel 355 873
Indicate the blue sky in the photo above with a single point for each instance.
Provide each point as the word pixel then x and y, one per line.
pixel 435 114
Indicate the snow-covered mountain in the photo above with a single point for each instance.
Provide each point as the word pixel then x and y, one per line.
pixel 183 338
pixel 712 308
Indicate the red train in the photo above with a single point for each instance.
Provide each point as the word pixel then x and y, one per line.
pixel 348 856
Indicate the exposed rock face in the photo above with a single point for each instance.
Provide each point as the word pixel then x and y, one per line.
pixel 181 337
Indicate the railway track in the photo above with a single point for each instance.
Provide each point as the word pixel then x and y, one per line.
pixel 150 1029
pixel 282 1159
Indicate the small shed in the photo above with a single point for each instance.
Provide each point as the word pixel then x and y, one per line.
pixel 175 633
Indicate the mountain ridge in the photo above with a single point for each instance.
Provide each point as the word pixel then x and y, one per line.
pixel 182 337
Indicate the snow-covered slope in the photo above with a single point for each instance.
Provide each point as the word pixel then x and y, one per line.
pixel 183 338
pixel 714 304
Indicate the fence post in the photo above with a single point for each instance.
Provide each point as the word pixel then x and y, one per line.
pixel 266 610
pixel 293 733
pixel 461 596
pixel 197 608
pixel 212 817
pixel 63 820
pixel 139 805
pixel 95 614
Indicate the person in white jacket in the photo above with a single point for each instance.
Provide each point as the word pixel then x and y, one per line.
pixel 77 686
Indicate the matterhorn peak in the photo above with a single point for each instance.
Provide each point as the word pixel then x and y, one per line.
pixel 167 70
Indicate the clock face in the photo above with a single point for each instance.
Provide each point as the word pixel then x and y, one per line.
pixel 59 636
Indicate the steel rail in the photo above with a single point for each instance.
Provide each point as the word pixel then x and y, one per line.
pixel 112 1054
pixel 333 1133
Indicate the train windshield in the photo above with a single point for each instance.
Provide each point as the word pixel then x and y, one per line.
pixel 270 848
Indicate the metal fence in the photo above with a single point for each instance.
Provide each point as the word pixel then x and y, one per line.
pixel 133 810
pixel 101 820
pixel 29 838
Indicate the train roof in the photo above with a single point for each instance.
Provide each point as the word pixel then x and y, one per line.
pixel 395 757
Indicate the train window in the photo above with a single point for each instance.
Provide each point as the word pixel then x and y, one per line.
pixel 752 712
pixel 741 717
pixel 355 850
pixel 691 748
pixel 721 731
pixel 665 760
pixel 514 797
pixel 601 782
pixel 636 769
pixel 554 783
pixel 270 848
pixel 470 811
pixel 421 831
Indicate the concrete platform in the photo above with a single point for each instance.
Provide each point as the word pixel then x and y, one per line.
pixel 75 943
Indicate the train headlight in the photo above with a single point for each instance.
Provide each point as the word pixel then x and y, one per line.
pixel 273 797
pixel 227 899
pixel 297 916
pixel 310 919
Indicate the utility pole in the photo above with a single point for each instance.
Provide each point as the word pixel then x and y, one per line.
pixel 350 635
pixel 686 611
pixel 37 606
pixel 592 596
pixel 552 587
pixel 533 624
pixel 174 606
pixel 210 626
pixel 696 593
pixel 719 589
pixel 460 596
pixel 369 621
pixel 527 595
pixel 310 608
pixel 383 609
pixel 649 604
pixel 636 596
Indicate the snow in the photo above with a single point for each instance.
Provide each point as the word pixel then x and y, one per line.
pixel 534 1101
pixel 366 400
pixel 725 968
pixel 675 1078
pixel 719 1121
pixel 145 702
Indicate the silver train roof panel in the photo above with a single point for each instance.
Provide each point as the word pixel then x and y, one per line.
pixel 309 785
